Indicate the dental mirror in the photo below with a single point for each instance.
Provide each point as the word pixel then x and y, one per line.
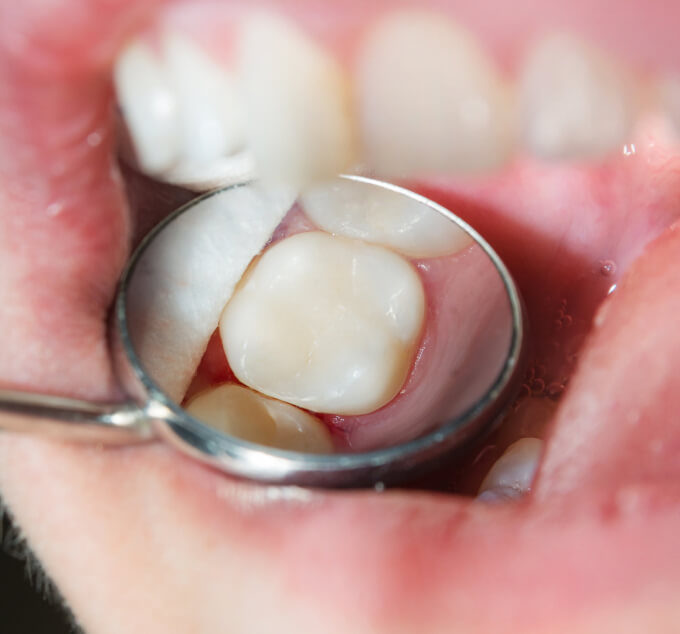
pixel 351 334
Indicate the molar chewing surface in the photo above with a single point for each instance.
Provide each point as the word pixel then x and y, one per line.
pixel 325 323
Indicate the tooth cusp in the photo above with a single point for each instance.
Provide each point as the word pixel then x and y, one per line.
pixel 380 216
pixel 325 323
pixel 245 414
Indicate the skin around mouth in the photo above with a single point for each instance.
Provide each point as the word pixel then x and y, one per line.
pixel 142 539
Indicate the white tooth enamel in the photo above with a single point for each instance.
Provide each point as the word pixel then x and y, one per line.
pixel 325 323
pixel 149 107
pixel 297 100
pixel 211 114
pixel 343 207
pixel 240 412
pixel 188 274
pixel 513 472
pixel 574 102
pixel 430 100
pixel 224 171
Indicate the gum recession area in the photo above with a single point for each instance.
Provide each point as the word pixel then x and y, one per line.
pixel 593 549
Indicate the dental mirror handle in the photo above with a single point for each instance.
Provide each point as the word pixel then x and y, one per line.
pixel 73 419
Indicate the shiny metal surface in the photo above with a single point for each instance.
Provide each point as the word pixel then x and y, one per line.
pixel 151 413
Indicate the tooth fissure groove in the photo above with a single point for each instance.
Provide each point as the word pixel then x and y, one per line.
pixel 326 323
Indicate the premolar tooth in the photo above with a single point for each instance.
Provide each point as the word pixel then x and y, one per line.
pixel 210 111
pixel 343 207
pixel 574 102
pixel 240 412
pixel 513 473
pixel 429 98
pixel 297 98
pixel 149 106
pixel 328 324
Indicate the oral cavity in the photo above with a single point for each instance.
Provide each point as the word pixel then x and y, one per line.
pixel 420 97
pixel 378 345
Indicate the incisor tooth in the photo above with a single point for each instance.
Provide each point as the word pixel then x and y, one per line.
pixel 429 98
pixel 328 324
pixel 240 412
pixel 344 207
pixel 210 111
pixel 574 102
pixel 149 107
pixel 513 473
pixel 299 126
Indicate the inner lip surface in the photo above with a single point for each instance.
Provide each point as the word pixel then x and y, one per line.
pixel 446 559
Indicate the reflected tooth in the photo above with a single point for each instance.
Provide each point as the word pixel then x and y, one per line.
pixel 210 112
pixel 188 274
pixel 149 106
pixel 573 101
pixel 328 324
pixel 513 473
pixel 429 98
pixel 408 226
pixel 240 412
pixel 297 100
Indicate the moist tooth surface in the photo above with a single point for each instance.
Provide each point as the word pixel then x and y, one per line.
pixel 383 217
pixel 326 323
pixel 241 412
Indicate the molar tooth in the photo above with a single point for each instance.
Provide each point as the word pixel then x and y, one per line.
pixel 243 413
pixel 210 111
pixel 325 323
pixel 574 102
pixel 430 100
pixel 513 473
pixel 149 106
pixel 342 207
pixel 299 126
